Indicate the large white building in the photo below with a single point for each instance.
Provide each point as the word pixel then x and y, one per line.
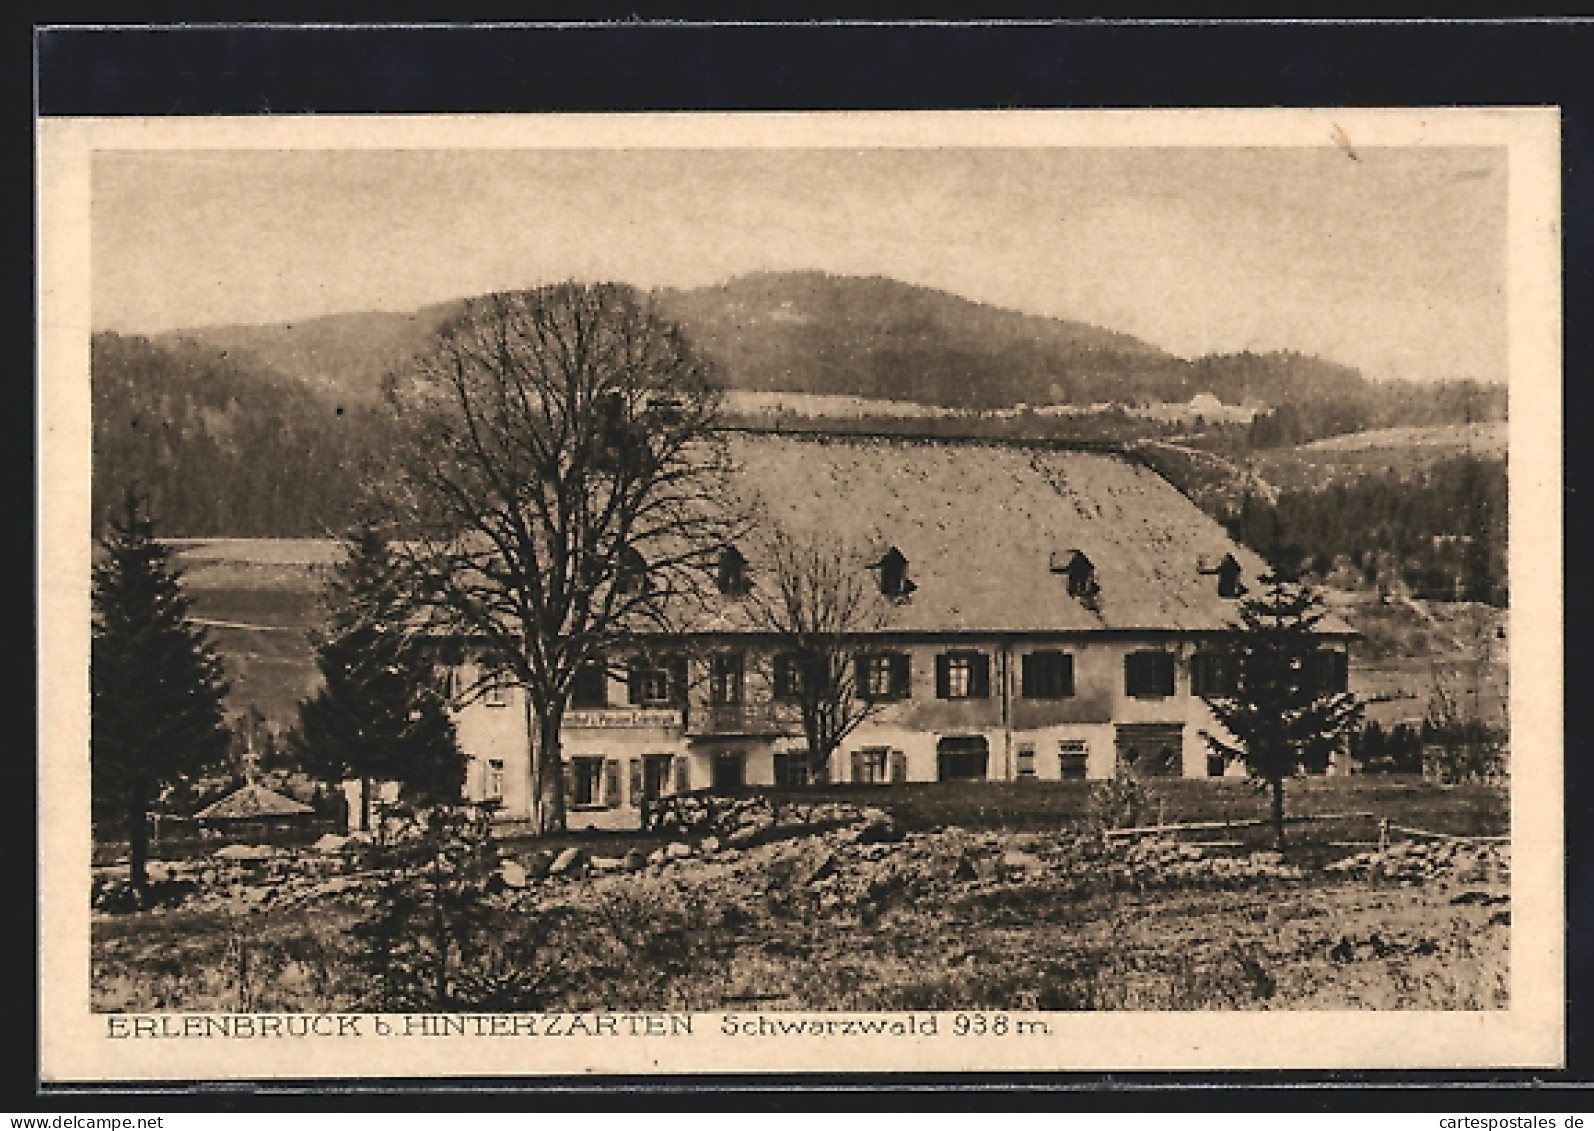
pixel 1053 615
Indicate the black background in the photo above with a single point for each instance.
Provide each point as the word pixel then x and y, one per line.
pixel 632 64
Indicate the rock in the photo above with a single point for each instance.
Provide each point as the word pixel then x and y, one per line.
pixel 1019 864
pixel 657 857
pixel 539 864
pixel 634 861
pixel 512 874
pixel 879 828
pixel 604 864
pixel 245 852
pixel 570 861
pixel 709 845
pixel 330 842
pixel 678 850
pixel 823 868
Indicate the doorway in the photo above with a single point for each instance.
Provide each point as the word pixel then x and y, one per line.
pixel 730 770
pixel 963 759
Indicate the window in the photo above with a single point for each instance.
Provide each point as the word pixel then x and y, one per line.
pixel 1080 572
pixel 871 765
pixel 1048 675
pixel 883 675
pixel 1229 583
pixel 1026 760
pixel 495 779
pixel 1073 758
pixel 732 572
pixel 496 695
pixel 962 675
pixel 792 770
pixel 657 683
pixel 788 676
pixel 894 581
pixel 1330 671
pixel 590 688
pixel 1148 675
pixel 725 679
pixel 586 782
pixel 631 572
pixel 1213 674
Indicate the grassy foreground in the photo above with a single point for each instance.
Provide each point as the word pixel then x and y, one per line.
pixel 991 900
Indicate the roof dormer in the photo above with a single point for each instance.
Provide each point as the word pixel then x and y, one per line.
pixel 894 580
pixel 1229 573
pixel 1079 571
pixel 731 572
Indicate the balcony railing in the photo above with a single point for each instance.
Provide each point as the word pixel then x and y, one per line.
pixel 736 718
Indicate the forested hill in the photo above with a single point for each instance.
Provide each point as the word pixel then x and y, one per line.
pixel 261 430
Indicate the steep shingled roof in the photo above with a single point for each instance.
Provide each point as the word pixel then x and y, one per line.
pixel 980 523
pixel 252 802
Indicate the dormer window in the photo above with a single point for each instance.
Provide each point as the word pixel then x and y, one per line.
pixel 731 575
pixel 1229 574
pixel 1079 571
pixel 894 580
pixel 631 574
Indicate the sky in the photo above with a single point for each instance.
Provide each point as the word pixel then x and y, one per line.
pixel 1392 260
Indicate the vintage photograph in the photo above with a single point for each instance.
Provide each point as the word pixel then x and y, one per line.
pixel 968 583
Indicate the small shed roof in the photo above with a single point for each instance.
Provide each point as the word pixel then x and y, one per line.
pixel 252 802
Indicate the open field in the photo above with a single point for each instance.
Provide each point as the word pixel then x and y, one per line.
pixel 981 897
pixel 1402 452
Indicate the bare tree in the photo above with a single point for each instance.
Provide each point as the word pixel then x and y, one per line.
pixel 819 599
pixel 559 492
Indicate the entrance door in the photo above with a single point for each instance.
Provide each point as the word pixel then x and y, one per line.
pixel 963 759
pixel 729 770
pixel 1150 750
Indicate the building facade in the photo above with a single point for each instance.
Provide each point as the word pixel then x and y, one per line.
pixel 1053 614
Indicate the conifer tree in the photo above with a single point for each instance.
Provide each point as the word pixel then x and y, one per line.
pixel 156 684
pixel 382 712
pixel 1286 709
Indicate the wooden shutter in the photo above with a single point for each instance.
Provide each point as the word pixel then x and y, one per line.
pixel 633 683
pixel 611 783
pixel 682 781
pixel 570 780
pixel 676 667
pixel 1163 667
pixel 857 766
pixel 1065 663
pixel 635 778
pixel 901 676
pixel 899 765
pixel 943 677
pixel 979 676
pixel 861 676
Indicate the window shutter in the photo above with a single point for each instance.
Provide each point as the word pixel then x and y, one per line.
pixel 943 679
pixel 1066 663
pixel 1133 663
pixel 980 677
pixel 676 667
pixel 681 779
pixel 635 778
pixel 861 676
pixel 569 772
pixel 901 685
pixel 611 783
pixel 857 766
pixel 633 683
pixel 899 765
pixel 1027 677
pixel 1164 670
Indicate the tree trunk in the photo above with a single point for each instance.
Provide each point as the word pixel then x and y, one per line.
pixel 547 776
pixel 1278 814
pixel 138 838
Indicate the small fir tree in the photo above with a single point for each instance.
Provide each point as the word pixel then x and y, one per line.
pixel 156 684
pixel 1286 709
pixel 382 711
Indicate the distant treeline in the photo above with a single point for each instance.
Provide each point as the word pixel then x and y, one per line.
pixel 222 447
pixel 1442 531
pixel 1376 406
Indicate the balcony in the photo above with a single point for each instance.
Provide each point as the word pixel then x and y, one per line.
pixel 732 719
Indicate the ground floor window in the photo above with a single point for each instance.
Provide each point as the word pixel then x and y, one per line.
pixel 1072 759
pixel 793 770
pixel 495 779
pixel 871 764
pixel 730 770
pixel 586 782
pixel 962 759
pixel 1026 761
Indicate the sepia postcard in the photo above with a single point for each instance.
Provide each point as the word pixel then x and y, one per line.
pixel 1037 591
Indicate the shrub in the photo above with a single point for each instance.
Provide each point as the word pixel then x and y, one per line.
pixel 1119 803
